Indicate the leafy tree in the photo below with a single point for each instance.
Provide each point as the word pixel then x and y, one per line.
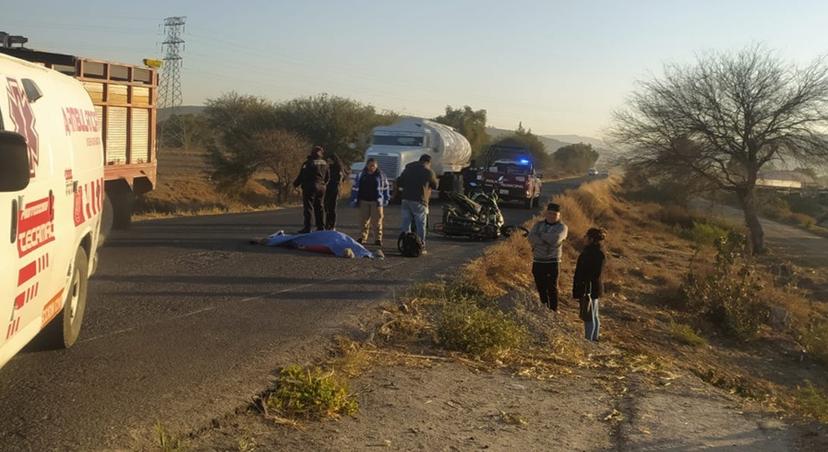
pixel 575 158
pixel 237 120
pixel 470 123
pixel 525 138
pixel 340 125
pixel 184 131
pixel 282 152
pixel 726 117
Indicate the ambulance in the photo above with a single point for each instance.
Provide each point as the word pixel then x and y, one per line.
pixel 51 199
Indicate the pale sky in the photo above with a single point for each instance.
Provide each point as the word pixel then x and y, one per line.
pixel 559 67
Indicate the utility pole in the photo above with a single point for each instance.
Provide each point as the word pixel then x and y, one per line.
pixel 169 94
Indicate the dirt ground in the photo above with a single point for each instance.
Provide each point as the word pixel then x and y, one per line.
pixel 449 406
pixel 639 389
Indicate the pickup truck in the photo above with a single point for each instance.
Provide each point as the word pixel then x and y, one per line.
pixel 518 181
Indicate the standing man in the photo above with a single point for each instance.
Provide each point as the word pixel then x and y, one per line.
pixel 416 182
pixel 313 178
pixel 337 169
pixel 371 194
pixel 546 238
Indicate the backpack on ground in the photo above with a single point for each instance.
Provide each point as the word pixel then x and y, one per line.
pixel 410 244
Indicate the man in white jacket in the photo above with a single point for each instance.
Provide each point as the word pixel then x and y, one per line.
pixel 546 238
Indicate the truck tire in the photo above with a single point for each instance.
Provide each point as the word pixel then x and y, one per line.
pixel 107 218
pixel 64 329
pixel 122 202
pixel 528 202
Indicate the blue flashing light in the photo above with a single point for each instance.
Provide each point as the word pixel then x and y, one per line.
pixel 523 161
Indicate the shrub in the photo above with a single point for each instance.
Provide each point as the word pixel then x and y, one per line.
pixel 729 295
pixel 802 219
pixel 705 233
pixel 684 334
pixel 813 402
pixel 481 331
pixel 673 215
pixel 310 393
pixel 816 342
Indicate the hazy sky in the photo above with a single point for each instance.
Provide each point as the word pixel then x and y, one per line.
pixel 560 67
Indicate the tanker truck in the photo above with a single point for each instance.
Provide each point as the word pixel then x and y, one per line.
pixel 397 145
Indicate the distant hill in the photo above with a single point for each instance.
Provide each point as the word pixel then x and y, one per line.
pixel 165 113
pixel 609 155
pixel 551 144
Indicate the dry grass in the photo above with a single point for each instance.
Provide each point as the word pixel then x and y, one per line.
pixel 685 334
pixel 503 267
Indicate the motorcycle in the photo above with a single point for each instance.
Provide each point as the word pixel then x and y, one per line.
pixel 476 216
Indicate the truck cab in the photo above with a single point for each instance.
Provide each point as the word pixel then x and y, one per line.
pixel 515 180
pixel 51 199
pixel 404 142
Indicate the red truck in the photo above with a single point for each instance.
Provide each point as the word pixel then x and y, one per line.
pixel 517 180
pixel 125 98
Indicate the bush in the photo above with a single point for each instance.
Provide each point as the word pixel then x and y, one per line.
pixel 729 295
pixel 813 402
pixel 481 331
pixel 676 216
pixel 684 334
pixel 705 233
pixel 815 341
pixel 802 219
pixel 310 394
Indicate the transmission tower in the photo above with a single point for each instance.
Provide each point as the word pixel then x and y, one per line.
pixel 170 90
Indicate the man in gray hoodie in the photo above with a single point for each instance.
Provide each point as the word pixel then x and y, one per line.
pixel 546 238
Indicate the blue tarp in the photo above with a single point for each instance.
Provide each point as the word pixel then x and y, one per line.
pixel 330 242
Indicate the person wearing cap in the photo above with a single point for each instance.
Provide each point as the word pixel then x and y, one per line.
pixel 313 178
pixel 416 182
pixel 546 238
pixel 588 284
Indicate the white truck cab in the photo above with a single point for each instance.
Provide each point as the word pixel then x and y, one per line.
pixel 51 198
pixel 399 144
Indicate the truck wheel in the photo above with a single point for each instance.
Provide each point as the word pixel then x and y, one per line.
pixel 63 330
pixel 107 218
pixel 527 203
pixel 122 201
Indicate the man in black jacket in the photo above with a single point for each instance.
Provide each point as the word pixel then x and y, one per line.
pixel 588 284
pixel 416 182
pixel 337 171
pixel 313 178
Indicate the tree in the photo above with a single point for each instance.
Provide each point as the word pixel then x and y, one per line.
pixel 726 117
pixel 340 125
pixel 236 120
pixel 575 158
pixel 470 123
pixel 525 138
pixel 282 152
pixel 184 131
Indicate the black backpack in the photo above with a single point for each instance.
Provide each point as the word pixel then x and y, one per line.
pixel 410 244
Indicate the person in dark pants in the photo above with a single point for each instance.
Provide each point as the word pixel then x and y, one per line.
pixel 313 178
pixel 337 170
pixel 416 182
pixel 546 238
pixel 588 284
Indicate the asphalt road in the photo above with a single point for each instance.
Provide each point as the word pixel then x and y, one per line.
pixel 186 321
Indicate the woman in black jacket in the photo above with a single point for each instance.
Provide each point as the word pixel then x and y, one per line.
pixel 588 285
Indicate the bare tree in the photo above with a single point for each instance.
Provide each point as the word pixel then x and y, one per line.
pixel 281 151
pixel 725 117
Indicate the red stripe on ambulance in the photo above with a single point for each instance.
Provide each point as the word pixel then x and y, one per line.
pixel 36 227
pixel 26 273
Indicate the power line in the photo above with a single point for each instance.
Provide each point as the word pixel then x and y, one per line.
pixel 170 90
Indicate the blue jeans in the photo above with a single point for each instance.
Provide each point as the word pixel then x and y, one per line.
pixel 414 213
pixel 591 327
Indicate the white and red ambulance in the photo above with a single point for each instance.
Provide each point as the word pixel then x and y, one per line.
pixel 51 198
